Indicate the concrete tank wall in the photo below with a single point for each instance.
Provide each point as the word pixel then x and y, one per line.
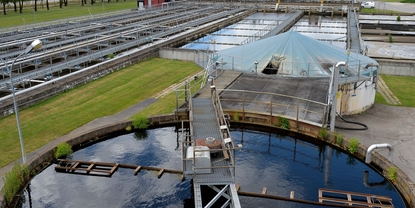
pixel 396 67
pixel 201 58
pixel 353 101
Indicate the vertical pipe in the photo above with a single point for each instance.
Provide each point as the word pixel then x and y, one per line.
pixel 233 65
pixel 177 101
pixel 270 119
pixel 243 106
pixel 334 94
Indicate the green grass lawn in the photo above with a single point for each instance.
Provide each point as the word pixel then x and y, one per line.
pixel 403 87
pixel 376 11
pixel 42 15
pixel 379 99
pixel 59 115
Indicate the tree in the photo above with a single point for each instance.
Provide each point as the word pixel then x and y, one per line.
pixel 47 4
pixel 35 5
pixel 21 6
pixel 4 2
pixel 15 5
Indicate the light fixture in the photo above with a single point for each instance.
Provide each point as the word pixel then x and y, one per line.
pixel 35 45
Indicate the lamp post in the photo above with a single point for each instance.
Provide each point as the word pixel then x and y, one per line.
pixel 36 45
pixel 24 23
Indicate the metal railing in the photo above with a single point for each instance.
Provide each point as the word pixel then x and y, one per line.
pixel 296 108
pixel 224 128
pixel 189 88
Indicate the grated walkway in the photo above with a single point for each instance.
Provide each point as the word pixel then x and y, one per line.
pixel 354 33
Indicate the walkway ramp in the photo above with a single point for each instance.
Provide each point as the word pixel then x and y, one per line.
pixel 286 25
pixel 208 152
pixel 354 42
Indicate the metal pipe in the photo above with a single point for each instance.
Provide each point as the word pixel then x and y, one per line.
pixel 378 146
pixel 335 75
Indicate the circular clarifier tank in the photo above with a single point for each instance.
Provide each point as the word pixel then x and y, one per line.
pixel 280 163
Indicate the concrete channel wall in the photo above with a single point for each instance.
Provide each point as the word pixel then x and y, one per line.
pixel 45 155
pixel 396 67
pixel 201 58
pixel 27 99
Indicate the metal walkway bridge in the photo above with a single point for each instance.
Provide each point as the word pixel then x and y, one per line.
pixel 208 153
pixel 354 39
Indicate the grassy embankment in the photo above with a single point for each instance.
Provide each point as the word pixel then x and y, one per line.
pixel 59 115
pixel 12 19
pixel 402 86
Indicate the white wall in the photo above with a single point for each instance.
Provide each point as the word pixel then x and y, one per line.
pixel 353 101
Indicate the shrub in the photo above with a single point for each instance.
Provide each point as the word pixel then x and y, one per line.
pixel 323 133
pixel 141 123
pixel 111 56
pixel 353 145
pixel 392 173
pixel 235 117
pixel 398 18
pixel 339 138
pixel 390 38
pixel 13 181
pixel 283 123
pixel 63 150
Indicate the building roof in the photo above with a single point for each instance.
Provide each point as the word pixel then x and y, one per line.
pixel 293 54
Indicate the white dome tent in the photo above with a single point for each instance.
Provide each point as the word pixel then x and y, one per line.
pixel 293 54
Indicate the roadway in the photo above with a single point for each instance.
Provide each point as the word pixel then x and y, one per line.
pixel 395 6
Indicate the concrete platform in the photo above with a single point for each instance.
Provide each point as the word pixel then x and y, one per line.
pixel 387 124
pixel 390 50
pixel 315 89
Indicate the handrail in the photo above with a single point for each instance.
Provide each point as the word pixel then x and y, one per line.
pixel 270 93
pixel 322 112
pixel 226 136
pixel 359 33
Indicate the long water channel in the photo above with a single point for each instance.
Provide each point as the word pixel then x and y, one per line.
pixel 280 163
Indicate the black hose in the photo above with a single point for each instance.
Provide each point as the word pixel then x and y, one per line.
pixel 352 122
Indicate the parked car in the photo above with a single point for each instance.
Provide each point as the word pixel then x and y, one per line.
pixel 368 5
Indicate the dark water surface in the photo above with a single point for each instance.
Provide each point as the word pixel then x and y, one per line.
pixel 280 163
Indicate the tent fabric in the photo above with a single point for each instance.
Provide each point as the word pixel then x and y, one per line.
pixel 293 54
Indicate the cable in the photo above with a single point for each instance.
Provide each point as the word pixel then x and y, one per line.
pixel 352 122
